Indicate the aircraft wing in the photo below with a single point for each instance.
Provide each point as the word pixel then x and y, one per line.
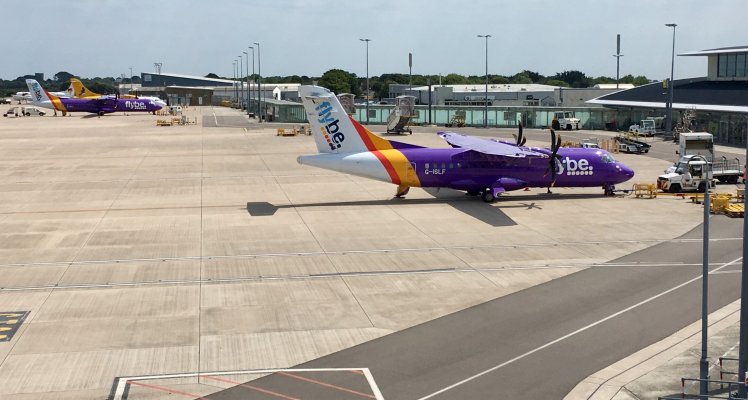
pixel 488 146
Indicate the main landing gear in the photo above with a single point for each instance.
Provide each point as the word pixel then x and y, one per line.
pixel 485 194
pixel 610 190
pixel 402 191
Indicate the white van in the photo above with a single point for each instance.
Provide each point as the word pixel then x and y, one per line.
pixel 31 110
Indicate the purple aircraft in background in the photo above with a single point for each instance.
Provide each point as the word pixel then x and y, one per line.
pixel 104 105
pixel 478 166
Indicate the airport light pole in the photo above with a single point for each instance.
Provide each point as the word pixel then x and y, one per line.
pixel 618 56
pixel 367 78
pixel 130 79
pixel 704 361
pixel 259 83
pixel 246 98
pixel 253 73
pixel 669 120
pixel 485 100
pixel 233 84
pixel 241 82
pixel 743 343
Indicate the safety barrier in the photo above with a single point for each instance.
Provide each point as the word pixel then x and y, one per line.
pixel 645 189
pixel 304 130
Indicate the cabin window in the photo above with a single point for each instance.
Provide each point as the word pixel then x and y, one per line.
pixel 451 166
pixel 426 165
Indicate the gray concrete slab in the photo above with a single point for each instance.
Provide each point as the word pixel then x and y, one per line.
pixel 185 248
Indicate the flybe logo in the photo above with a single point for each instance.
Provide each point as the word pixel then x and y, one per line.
pixel 575 167
pixel 331 130
pixel 135 105
pixel 37 91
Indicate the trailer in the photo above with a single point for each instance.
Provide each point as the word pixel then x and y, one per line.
pixel 627 144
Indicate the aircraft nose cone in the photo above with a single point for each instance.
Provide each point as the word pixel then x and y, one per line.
pixel 626 172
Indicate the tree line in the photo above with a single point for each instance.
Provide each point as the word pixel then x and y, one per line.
pixel 340 81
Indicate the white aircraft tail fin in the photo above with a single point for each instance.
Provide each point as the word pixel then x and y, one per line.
pixel 335 131
pixel 38 93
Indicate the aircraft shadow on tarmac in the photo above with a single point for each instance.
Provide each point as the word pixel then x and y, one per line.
pixel 486 213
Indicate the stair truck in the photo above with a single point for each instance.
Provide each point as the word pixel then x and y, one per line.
pixel 401 115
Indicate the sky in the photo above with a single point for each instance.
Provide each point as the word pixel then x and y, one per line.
pixel 91 38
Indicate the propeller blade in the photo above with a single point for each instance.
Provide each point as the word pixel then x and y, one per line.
pixel 519 137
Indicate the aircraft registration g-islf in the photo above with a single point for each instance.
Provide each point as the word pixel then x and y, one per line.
pixel 478 166
pixel 40 97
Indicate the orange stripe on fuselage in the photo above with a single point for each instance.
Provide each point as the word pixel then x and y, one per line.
pixel 56 102
pixel 393 160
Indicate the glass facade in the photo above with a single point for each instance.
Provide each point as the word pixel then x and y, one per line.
pixel 732 65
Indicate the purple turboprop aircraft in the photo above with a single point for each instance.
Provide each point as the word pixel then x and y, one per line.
pixel 104 105
pixel 478 166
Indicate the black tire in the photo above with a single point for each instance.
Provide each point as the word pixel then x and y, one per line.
pixel 733 179
pixel 28 114
pixel 473 192
pixel 555 125
pixel 101 113
pixel 488 196
pixel 675 188
pixel 568 127
pixel 722 179
pixel 702 187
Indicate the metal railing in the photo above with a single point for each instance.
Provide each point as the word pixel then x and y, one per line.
pixel 721 393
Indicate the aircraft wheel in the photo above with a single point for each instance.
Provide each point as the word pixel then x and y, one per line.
pixel 488 196
pixel 101 113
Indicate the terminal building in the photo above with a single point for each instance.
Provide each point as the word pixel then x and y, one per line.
pixel 199 90
pixel 512 95
pixel 716 103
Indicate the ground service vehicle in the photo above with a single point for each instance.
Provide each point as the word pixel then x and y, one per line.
pixel 5 101
pixel 564 120
pixel 691 143
pixel 626 144
pixel 12 112
pixel 30 110
pixel 645 128
pixel 691 175
pixel 724 170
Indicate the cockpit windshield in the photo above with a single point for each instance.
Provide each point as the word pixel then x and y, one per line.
pixel 606 157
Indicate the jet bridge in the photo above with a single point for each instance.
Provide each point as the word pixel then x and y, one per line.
pixel 400 117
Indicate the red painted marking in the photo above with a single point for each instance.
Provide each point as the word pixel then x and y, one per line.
pixel 387 166
pixel 386 163
pixel 270 392
pixel 363 134
pixel 166 389
pixel 301 378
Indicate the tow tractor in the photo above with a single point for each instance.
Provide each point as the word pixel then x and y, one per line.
pixel 691 174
